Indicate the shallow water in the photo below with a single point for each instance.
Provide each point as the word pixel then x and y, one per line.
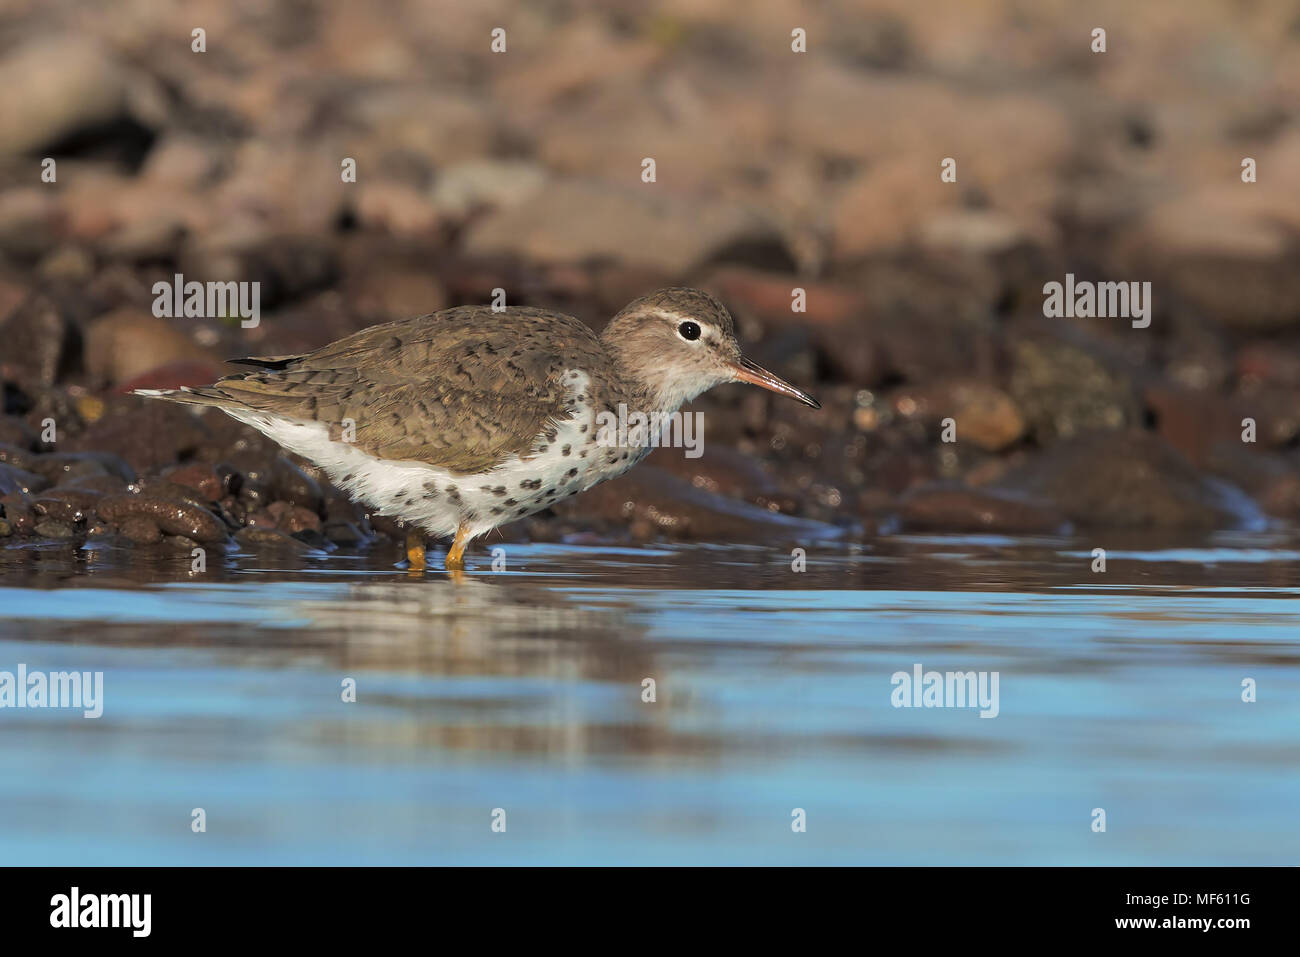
pixel 522 690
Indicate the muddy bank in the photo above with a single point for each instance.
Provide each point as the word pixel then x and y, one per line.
pixel 803 189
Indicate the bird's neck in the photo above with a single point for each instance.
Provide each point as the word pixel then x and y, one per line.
pixel 649 384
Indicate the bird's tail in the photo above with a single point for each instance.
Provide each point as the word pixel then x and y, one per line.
pixel 186 395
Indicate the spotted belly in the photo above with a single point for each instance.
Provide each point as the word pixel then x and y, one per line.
pixel 558 465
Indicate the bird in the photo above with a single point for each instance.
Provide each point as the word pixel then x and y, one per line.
pixel 463 420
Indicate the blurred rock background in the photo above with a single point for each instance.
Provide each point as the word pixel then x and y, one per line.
pixel 774 170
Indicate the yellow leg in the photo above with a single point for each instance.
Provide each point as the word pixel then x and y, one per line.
pixel 456 555
pixel 415 550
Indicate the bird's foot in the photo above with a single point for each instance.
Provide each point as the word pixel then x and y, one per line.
pixel 415 551
pixel 456 554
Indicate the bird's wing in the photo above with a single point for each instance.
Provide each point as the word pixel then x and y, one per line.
pixel 462 389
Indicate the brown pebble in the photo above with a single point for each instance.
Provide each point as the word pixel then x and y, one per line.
pixel 173 516
pixel 140 530
pixel 49 528
pixel 18 513
pixel 290 483
pixel 260 539
pixel 65 504
pixel 200 478
pixel 293 518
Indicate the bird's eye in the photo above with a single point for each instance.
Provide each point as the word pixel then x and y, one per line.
pixel 689 331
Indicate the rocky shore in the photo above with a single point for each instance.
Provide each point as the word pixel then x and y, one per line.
pixel 951 401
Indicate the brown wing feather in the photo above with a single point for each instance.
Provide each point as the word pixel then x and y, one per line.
pixel 462 389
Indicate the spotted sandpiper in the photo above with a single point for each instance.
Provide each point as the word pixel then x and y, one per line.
pixel 470 418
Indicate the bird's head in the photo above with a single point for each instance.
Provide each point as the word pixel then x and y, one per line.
pixel 677 343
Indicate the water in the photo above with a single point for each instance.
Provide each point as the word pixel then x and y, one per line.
pixel 522 690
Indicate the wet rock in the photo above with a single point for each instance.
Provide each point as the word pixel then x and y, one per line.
pixel 127 343
pixel 173 516
pixel 1130 479
pixel 387 527
pixel 1062 390
pixel 61 467
pixel 314 540
pixel 1270 478
pixel 294 518
pixel 203 479
pixel 37 342
pixel 18 513
pixel 260 539
pixel 162 488
pixel 147 434
pixel 139 530
pixel 346 534
pixel 17 480
pixel 19 458
pixel 60 531
pixel 292 484
pixel 70 505
pixel 725 471
pixel 651 503
pixel 98 484
pixel 983 414
pixel 946 508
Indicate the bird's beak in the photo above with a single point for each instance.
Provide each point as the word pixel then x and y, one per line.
pixel 746 371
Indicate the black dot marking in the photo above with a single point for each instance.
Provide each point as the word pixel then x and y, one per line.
pixel 453 492
pixel 522 512
pixel 531 483
pixel 496 510
pixel 348 477
pixel 566 450
pixel 572 472
pixel 583 430
pixel 509 501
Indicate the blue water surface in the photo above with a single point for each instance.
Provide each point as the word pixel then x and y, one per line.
pixel 519 695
